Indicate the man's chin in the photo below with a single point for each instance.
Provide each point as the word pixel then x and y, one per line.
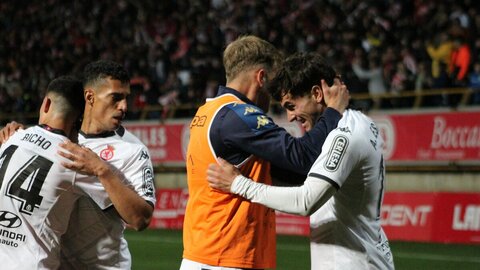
pixel 116 124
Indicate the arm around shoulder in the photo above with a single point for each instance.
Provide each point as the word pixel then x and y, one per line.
pixel 303 200
pixel 133 209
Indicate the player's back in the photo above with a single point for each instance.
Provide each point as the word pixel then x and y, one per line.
pixel 36 199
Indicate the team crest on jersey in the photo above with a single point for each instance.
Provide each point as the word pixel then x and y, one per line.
pixel 9 220
pixel 148 186
pixel 336 153
pixel 107 153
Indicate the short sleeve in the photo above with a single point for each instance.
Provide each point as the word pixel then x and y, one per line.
pixel 338 158
pixel 139 173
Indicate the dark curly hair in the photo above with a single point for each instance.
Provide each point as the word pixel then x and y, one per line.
pixel 103 69
pixel 299 72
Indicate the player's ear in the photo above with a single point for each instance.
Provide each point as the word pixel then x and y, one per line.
pixel 317 93
pixel 89 95
pixel 47 102
pixel 261 77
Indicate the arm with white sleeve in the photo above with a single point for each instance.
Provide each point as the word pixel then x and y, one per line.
pixel 303 200
pixel 133 209
pixel 326 176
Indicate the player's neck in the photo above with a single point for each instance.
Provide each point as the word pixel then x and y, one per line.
pixel 55 126
pixel 88 127
pixel 244 87
pixel 91 128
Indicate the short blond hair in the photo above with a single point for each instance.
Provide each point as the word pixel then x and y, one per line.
pixel 247 52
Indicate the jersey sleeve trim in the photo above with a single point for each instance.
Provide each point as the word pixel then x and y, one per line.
pixel 323 177
pixel 150 203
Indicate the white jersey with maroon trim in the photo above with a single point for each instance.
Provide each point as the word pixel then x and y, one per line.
pixel 37 195
pixel 94 239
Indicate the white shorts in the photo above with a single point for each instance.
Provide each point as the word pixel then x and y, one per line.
pixel 333 257
pixel 191 265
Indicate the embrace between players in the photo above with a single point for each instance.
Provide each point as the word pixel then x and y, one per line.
pixel 336 171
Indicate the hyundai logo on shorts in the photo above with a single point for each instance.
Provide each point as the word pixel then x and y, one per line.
pixel 9 220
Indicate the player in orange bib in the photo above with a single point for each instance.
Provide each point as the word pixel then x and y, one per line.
pixel 225 231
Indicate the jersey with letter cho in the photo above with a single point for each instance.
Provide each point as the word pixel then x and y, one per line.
pixel 37 197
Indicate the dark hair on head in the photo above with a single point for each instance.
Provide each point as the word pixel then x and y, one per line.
pixel 299 72
pixel 70 89
pixel 103 69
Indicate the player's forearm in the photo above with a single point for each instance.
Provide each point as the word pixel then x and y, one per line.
pixel 303 200
pixel 133 209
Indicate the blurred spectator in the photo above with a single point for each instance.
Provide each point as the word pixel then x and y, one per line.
pixel 184 39
pixel 474 83
pixel 459 68
pixel 374 75
pixel 423 80
pixel 440 51
pixel 441 82
pixel 5 103
pixel 459 62
pixel 401 81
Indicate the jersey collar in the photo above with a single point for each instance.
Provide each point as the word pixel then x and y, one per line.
pixel 99 135
pixel 53 130
pixel 226 90
pixel 120 132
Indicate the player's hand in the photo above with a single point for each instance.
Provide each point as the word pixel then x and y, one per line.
pixel 83 159
pixel 336 96
pixel 220 176
pixel 8 131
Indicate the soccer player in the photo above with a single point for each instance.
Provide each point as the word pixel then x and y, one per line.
pixel 344 189
pixel 94 239
pixel 37 194
pixel 223 231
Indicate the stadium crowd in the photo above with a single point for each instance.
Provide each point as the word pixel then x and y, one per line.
pixel 172 49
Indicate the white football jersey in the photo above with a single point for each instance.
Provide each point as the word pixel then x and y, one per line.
pixel 94 239
pixel 37 195
pixel 346 231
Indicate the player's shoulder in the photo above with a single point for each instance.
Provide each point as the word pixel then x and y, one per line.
pixel 128 141
pixel 353 123
pixel 244 109
pixel 254 117
pixel 350 129
pixel 36 135
pixel 122 144
pixel 128 137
